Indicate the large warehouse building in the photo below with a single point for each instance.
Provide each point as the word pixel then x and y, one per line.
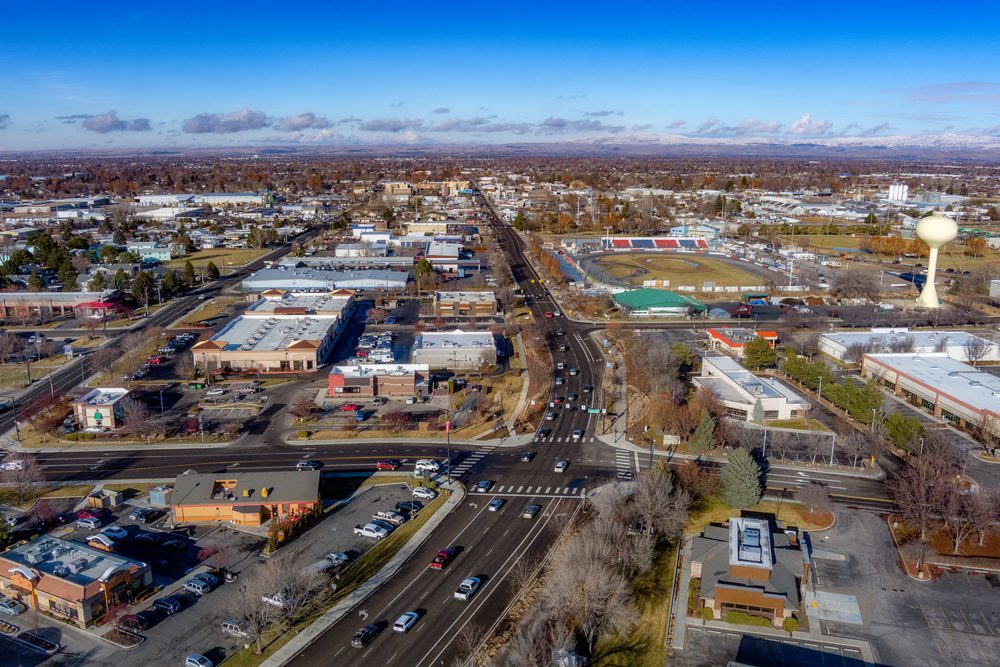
pixel 956 344
pixel 282 332
pixel 947 388
pixel 319 279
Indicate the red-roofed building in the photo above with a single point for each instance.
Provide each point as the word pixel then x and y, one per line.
pixel 733 339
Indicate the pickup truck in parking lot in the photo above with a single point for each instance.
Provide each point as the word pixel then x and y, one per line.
pixel 392 518
pixel 371 530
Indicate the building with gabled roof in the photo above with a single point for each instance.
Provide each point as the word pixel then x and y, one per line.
pixel 733 339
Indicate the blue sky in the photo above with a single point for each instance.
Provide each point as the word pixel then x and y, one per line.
pixel 193 74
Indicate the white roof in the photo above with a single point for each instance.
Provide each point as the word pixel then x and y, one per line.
pixel 481 296
pixel 958 380
pixel 453 339
pixel 103 396
pixel 922 340
pixel 368 370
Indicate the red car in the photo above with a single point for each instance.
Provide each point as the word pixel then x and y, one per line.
pixel 155 360
pixel 87 514
pixel 390 464
pixel 743 310
pixel 442 558
pixel 548 314
pixel 350 407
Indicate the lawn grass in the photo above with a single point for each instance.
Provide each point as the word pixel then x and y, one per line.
pixel 209 310
pixel 221 256
pixel 15 376
pixel 8 496
pixel 353 576
pixel 689 269
pixel 127 322
pixel 788 512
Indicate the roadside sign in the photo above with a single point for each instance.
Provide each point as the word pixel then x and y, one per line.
pixel 594 411
pixel 68 351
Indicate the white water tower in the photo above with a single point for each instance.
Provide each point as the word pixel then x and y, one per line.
pixel 935 231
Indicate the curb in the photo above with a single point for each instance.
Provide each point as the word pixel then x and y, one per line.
pixel 365 590
pixel 906 570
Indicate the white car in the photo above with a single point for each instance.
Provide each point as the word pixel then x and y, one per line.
pixel 196 659
pixel 115 532
pixel 91 523
pixel 11 607
pixel 467 588
pixel 218 391
pixel 561 466
pixel 405 622
pixel 12 464
pixel 424 493
pixel 429 465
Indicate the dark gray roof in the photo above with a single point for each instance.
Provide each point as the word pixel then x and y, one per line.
pixel 282 486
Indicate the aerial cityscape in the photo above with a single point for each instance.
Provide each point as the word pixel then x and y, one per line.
pixel 545 336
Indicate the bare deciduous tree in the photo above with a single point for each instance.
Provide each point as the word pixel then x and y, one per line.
pixel 976 349
pixel 814 497
pixel 856 446
pixel 23 474
pixel 959 513
pixel 918 492
pixel 780 444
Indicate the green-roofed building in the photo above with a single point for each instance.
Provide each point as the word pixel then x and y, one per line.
pixel 648 302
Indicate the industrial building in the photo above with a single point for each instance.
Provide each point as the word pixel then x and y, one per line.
pixel 943 386
pixel 44 305
pixel 741 391
pixel 457 349
pixel 245 498
pixel 284 331
pixel 649 302
pixel 955 344
pixel 69 580
pixel 733 339
pixel 751 567
pixel 319 279
pixel 100 408
pixel 465 304
pixel 367 380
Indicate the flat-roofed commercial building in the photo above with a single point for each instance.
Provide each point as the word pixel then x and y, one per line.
pixel 53 304
pixel 284 331
pixel 319 279
pixel 69 580
pixel 946 388
pixel 851 345
pixel 100 408
pixel 457 349
pixel 245 498
pixel 740 390
pixel 465 304
pixel 733 339
pixel 365 380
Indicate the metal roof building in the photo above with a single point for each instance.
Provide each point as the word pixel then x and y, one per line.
pixel 649 302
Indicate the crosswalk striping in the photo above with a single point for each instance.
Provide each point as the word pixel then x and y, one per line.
pixel 472 460
pixel 511 490
pixel 565 439
pixel 623 464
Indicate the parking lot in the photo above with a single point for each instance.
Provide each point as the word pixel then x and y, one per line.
pixel 711 646
pixel 953 620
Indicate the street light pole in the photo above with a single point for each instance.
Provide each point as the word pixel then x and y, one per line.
pixel 447 431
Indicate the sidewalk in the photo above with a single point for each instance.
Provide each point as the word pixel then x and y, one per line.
pixel 815 635
pixel 515 441
pixel 12 445
pixel 338 611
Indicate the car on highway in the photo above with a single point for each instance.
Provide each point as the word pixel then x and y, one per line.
pixel 561 466
pixel 563 347
pixel 572 397
pixel 115 532
pixel 364 636
pixel 549 314
pixel 483 486
pixel 530 511
pixel 197 659
pixel 560 366
pixel 544 432
pixel 588 388
pixel 350 407
pixel 12 464
pixel 442 558
pixel 495 505
pixel 337 559
pixel 388 464
pixel 405 621
pixel 560 332
pixel 574 371
pixel 429 465
pixel 550 416
pixel 467 588
pixel 89 523
pixel 306 464
pixel 577 434
pixel 559 381
pixel 424 493
pixel 527 456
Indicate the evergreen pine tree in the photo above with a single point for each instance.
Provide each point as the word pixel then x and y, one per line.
pixel 189 277
pixel 213 271
pixel 704 436
pixel 758 411
pixel 758 353
pixel 35 282
pixel 739 481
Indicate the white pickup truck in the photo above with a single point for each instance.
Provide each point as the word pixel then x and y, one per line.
pixel 370 530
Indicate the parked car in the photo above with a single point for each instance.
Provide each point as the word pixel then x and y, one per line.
pixel 168 605
pixel 389 517
pixel 424 493
pixel 236 628
pixel 405 621
pixel 280 600
pixel 409 506
pixel 115 532
pixel 588 388
pixel 530 511
pixel 217 391
pixel 442 558
pixel 197 586
pixel 87 514
pixel 175 546
pixel 90 523
pixel 11 607
pixel 197 659
pixel 364 636
pixel 337 559
pixel 467 588
pixel 350 407
pixel 388 464
pixel 371 530
pixel 12 464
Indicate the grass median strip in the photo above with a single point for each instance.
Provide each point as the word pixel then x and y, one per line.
pixel 356 574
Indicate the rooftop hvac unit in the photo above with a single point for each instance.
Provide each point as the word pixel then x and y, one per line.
pixel 77 565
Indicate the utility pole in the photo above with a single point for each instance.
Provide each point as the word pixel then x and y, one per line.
pixel 447 431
